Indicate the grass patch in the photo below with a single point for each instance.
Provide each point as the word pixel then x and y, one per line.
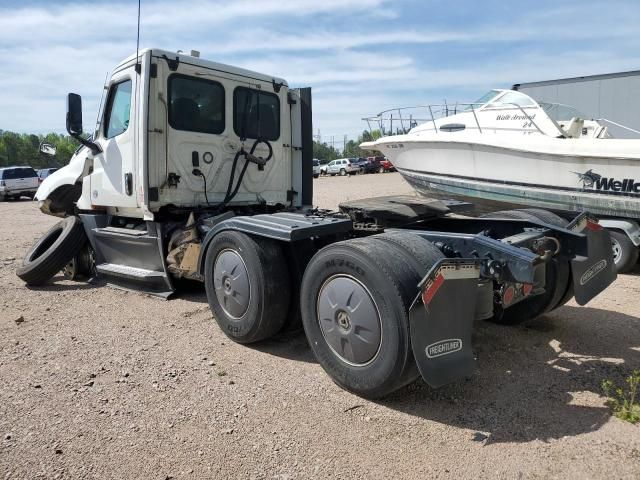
pixel 624 400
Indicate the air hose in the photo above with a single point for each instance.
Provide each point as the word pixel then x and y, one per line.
pixel 232 190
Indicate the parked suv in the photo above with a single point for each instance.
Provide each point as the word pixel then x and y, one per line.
pixel 384 164
pixel 370 165
pixel 343 166
pixel 17 181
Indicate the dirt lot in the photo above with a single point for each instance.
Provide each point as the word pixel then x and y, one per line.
pixel 101 383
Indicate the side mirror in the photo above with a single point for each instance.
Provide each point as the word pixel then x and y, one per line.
pixel 74 114
pixel 74 122
pixel 47 149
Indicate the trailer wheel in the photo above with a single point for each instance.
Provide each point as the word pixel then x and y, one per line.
pixel 247 286
pixel 558 287
pixel 355 300
pixel 52 251
pixel 625 253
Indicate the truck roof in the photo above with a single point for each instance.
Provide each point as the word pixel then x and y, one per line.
pixel 186 58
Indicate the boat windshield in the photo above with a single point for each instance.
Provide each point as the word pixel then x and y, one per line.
pixel 486 98
pixel 512 99
pixel 562 113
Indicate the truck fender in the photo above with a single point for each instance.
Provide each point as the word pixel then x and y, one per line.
pixel 60 188
pixel 283 226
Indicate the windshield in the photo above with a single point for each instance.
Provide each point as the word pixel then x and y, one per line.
pixel 513 99
pixel 562 113
pixel 490 95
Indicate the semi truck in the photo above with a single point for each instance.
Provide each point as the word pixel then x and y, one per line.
pixel 203 171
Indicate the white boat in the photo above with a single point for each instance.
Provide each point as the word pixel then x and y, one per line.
pixel 508 148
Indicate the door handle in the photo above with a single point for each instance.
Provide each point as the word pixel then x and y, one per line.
pixel 128 183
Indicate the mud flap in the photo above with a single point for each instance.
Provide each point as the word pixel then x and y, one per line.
pixel 595 272
pixel 441 320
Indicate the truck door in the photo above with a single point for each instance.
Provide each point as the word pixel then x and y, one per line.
pixel 113 180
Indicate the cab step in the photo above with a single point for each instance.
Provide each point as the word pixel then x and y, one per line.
pixel 135 278
pixel 129 258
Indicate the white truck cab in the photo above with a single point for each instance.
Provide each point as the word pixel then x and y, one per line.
pixel 166 116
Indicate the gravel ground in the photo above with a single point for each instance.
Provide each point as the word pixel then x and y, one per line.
pixel 101 383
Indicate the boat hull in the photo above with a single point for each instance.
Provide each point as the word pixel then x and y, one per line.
pixel 494 175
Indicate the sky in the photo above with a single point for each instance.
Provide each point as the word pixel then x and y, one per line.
pixel 359 56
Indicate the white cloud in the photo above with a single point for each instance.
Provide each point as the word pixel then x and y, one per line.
pixel 383 60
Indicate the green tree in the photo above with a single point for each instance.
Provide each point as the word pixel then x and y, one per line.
pixel 352 148
pixel 23 149
pixel 324 152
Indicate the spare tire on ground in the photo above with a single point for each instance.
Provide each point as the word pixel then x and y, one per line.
pixel 52 251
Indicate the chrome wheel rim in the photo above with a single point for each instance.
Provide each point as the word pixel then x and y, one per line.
pixel 617 250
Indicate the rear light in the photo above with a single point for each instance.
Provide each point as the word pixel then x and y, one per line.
pixel 593 225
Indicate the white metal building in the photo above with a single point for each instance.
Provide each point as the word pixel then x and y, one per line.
pixel 613 96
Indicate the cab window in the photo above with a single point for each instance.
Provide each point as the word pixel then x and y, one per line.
pixel 118 109
pixel 256 114
pixel 196 104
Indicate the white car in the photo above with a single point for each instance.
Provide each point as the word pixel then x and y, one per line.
pixel 316 168
pixel 343 166
pixel 16 182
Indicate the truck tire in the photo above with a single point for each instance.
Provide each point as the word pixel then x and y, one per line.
pixel 247 285
pixel 365 349
pixel 545 216
pixel 422 253
pixel 557 282
pixel 52 251
pixel 81 266
pixel 552 219
pixel 557 275
pixel 419 256
pixel 625 253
